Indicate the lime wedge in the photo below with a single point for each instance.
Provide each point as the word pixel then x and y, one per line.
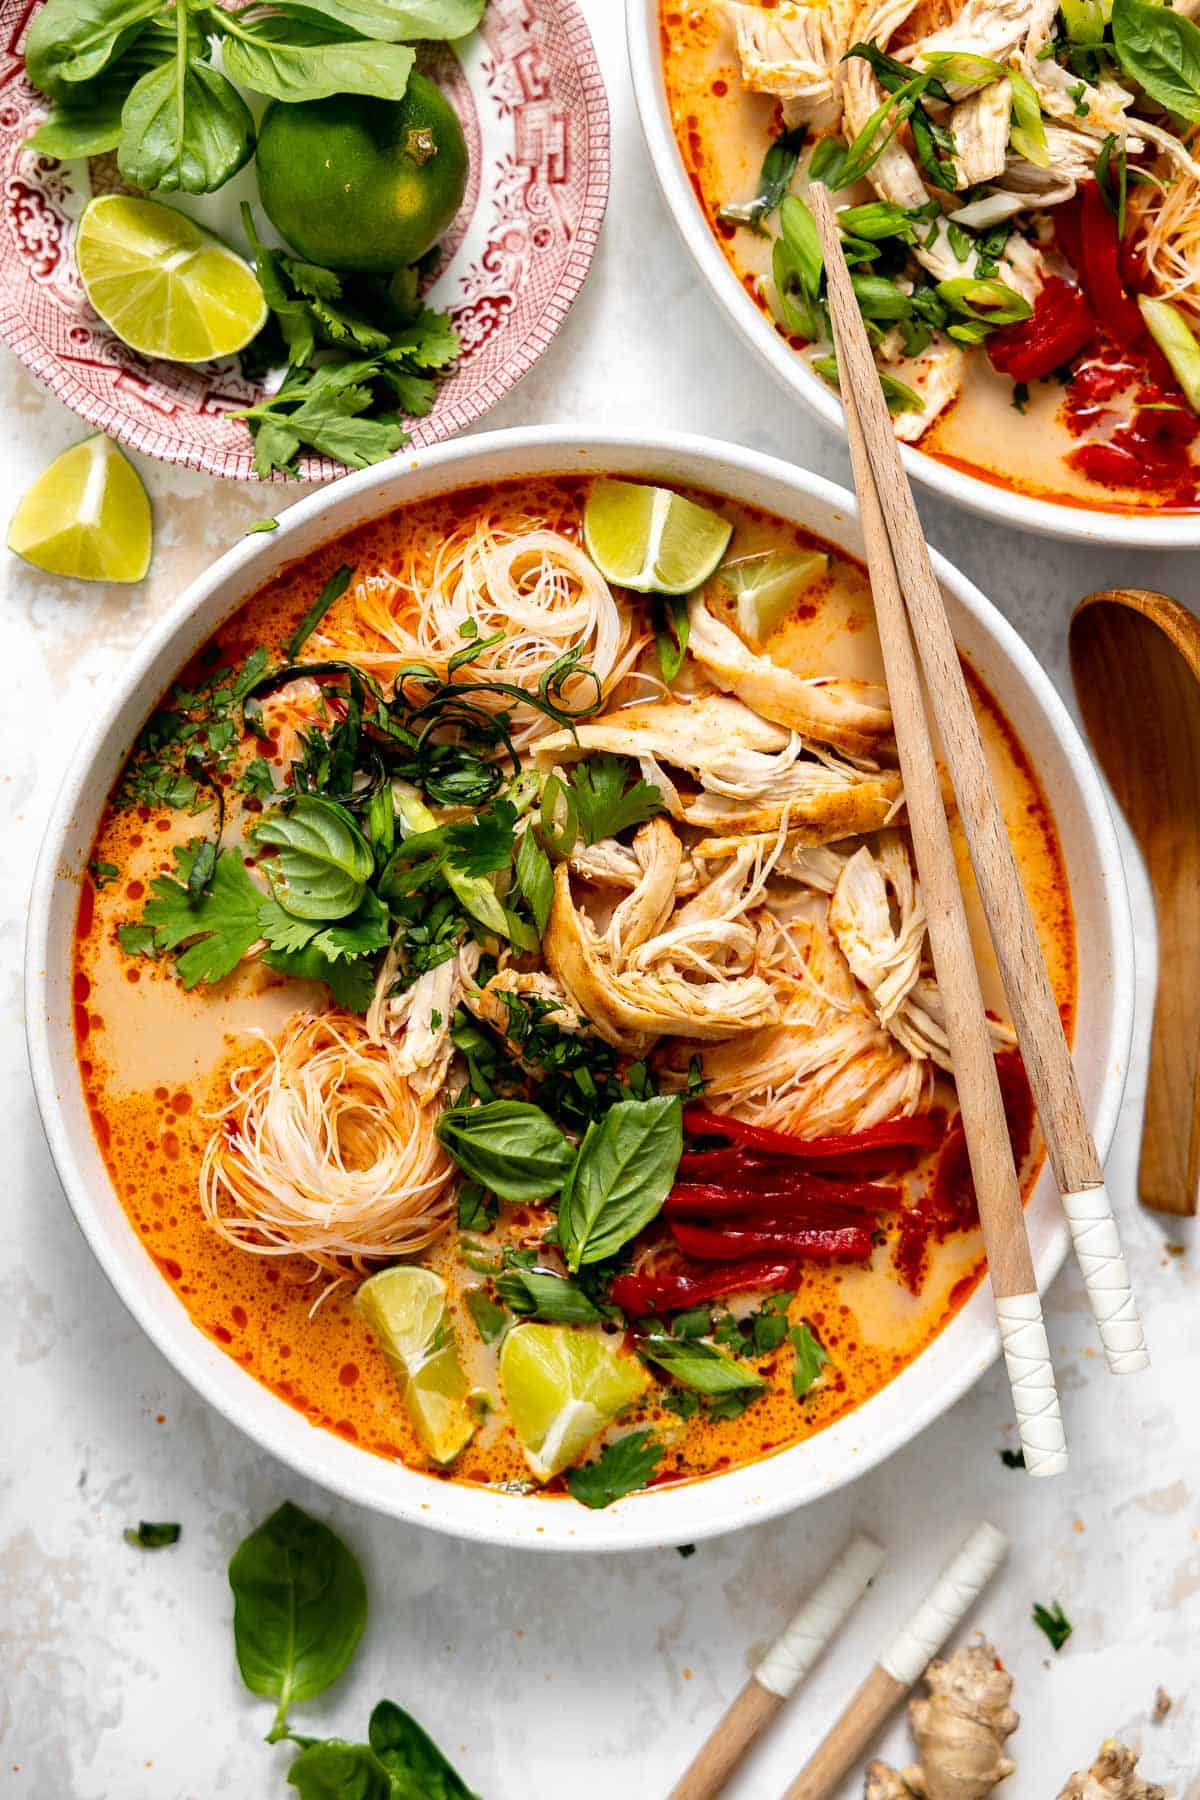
pixel 562 1387
pixel 651 540
pixel 87 515
pixel 767 583
pixel 406 1307
pixel 166 287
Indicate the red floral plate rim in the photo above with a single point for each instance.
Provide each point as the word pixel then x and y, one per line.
pixel 528 88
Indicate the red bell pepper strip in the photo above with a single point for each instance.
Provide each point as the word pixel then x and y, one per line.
pixel 784 1195
pixel 669 1289
pixel 1060 327
pixel 952 1195
pixel 815 1243
pixel 1100 271
pixel 897 1143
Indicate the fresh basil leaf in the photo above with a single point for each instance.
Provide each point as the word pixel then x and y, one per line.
pixel 624 1171
pixel 71 41
pixel 184 130
pixel 290 61
pixel 335 1770
pixel 1160 50
pixel 90 127
pixel 620 1469
pixel 537 1294
pixel 393 21
pixel 148 1535
pixel 490 1319
pixel 811 1357
pixel 415 1765
pixel 509 1146
pixel 299 1607
pixel 697 1364
pixel 323 862
pixel 535 878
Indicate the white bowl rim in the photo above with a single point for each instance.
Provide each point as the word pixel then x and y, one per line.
pixel 642 1521
pixel 1080 524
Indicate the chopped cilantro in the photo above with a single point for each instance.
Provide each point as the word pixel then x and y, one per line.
pixel 1020 396
pixel 151 1535
pixel 103 875
pixel 257 780
pixel 490 1319
pixel 1054 1622
pixel 609 796
pixel 811 1357
pixel 620 1469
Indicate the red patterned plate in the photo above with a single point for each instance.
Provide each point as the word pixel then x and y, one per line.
pixel 531 98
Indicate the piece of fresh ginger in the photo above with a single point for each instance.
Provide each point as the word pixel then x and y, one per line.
pixel 960 1730
pixel 1113 1776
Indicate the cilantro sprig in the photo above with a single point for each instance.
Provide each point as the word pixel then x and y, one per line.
pixel 620 1469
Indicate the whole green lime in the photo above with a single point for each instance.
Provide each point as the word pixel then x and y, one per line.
pixel 361 184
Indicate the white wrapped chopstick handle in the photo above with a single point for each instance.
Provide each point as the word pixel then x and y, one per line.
pixel 797 1648
pixel 1109 1289
pixel 1031 1377
pixel 945 1606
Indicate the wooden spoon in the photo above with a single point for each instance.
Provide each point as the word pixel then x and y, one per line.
pixel 1135 660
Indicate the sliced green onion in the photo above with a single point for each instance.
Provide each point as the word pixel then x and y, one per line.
pixel 879 298
pixel 988 302
pixel 560 837
pixel 963 68
pixel 803 240
pixel 1170 330
pixel 798 314
pixel 899 397
pixel 877 220
pixel 1085 21
pixel 1028 133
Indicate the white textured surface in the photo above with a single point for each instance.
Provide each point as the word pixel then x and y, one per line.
pixel 545 1676
pixel 946 1604
pixel 1106 1278
pixel 1031 1375
pixel 824 1612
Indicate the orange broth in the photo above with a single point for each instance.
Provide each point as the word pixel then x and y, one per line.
pixel 153 1063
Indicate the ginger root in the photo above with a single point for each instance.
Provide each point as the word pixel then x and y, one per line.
pixel 960 1731
pixel 1112 1777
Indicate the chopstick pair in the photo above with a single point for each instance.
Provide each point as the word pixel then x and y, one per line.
pixel 907 596
pixel 798 1648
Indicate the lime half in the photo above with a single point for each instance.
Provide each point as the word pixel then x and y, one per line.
pixel 562 1387
pixel 406 1307
pixel 166 287
pixel 650 539
pixel 87 515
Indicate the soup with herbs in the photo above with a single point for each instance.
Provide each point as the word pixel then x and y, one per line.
pixel 503 997
pixel 1019 202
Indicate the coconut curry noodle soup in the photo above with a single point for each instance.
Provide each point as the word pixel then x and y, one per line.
pixel 1020 211
pixel 503 997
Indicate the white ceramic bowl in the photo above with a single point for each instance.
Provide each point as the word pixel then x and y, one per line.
pixel 675 1515
pixel 1149 529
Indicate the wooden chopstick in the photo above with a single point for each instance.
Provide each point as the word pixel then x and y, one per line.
pixel 1043 1043
pixel 1001 1213
pixel 781 1670
pixel 902 1664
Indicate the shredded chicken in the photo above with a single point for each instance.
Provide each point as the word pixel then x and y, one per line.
pixel 980 125
pixel 936 375
pixel 795 52
pixel 854 716
pixel 752 774
pixel 691 975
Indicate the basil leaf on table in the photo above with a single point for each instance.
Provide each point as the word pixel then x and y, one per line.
pixel 322 862
pixel 624 1171
pixel 699 1365
pixel 1159 50
pixel 289 60
pixel 509 1146
pixel 184 130
pixel 416 1767
pixel 300 1604
pixel 71 41
pixel 333 1769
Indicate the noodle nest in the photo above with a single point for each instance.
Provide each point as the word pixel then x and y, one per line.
pixel 326 1152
